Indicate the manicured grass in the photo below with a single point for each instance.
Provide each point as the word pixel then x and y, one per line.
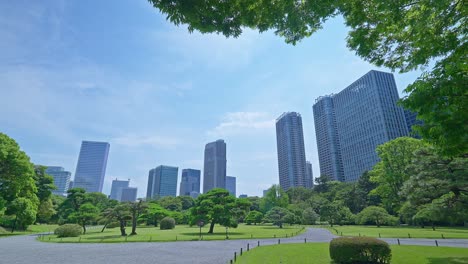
pixel 181 232
pixel 400 231
pixel 317 253
pixel 32 229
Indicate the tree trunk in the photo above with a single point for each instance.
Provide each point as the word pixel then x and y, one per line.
pixel 102 230
pixel 280 225
pixel 433 226
pixel 122 228
pixel 211 227
pixel 84 229
pixel 134 224
pixel 14 224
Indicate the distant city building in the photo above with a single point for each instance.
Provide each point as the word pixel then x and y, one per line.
pixel 194 195
pixel 214 169
pixel 162 181
pixel 291 151
pixel 128 194
pixel 70 186
pixel 61 179
pixel 243 196
pixel 231 185
pixel 190 182
pixel 411 120
pixel 117 188
pixel 91 167
pixel 351 124
pixel 309 181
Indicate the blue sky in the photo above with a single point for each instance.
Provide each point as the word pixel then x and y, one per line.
pixel 117 71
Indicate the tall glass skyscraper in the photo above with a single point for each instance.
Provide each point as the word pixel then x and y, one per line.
pixel 116 189
pixel 190 182
pixel 351 124
pixel 214 169
pixel 128 194
pixel 162 181
pixel 291 151
pixel 231 185
pixel 61 179
pixel 91 167
pixel 309 181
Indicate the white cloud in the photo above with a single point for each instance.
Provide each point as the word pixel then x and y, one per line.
pixel 243 122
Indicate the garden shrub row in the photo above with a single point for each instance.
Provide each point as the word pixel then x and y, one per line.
pixel 364 250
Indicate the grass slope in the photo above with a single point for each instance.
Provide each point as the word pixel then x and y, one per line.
pixel 32 229
pixel 400 232
pixel 317 253
pixel 181 232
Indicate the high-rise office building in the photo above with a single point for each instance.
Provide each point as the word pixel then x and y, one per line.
pixel 128 194
pixel 411 120
pixel 291 152
pixel 162 181
pixel 71 185
pixel 117 188
pixel 91 167
pixel 309 181
pixel 61 179
pixel 351 124
pixel 231 185
pixel 190 182
pixel 327 138
pixel 214 169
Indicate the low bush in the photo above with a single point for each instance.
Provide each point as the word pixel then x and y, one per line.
pixel 359 250
pixel 68 230
pixel 167 223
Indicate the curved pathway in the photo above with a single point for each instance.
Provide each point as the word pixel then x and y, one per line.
pixel 25 249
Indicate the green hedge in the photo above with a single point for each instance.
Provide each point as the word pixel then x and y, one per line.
pixel 68 230
pixel 167 223
pixel 359 250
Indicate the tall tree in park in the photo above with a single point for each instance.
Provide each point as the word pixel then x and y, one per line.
pixel 45 185
pixel 136 209
pixel 17 185
pixel 438 184
pixel 120 213
pixel 217 207
pixel 278 215
pixel 275 197
pixel 75 198
pixel 86 214
pixel 401 35
pixel 392 170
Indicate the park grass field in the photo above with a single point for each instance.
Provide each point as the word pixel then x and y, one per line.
pixel 400 231
pixel 317 253
pixel 32 229
pixel 180 233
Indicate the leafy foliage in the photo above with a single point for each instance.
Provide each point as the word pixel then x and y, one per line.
pixel 278 216
pixel 254 217
pixel 167 223
pixel 68 230
pixel 275 197
pixel 359 250
pixel 375 215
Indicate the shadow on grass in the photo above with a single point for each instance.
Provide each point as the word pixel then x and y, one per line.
pixel 104 237
pixel 214 234
pixel 448 260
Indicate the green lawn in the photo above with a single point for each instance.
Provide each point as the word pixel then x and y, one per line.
pixel 400 232
pixel 317 253
pixel 181 232
pixel 32 229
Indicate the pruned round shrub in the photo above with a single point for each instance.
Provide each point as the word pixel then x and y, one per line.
pixel 68 230
pixel 167 223
pixel 359 250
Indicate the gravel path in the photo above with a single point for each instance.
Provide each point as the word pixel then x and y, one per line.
pixel 26 250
